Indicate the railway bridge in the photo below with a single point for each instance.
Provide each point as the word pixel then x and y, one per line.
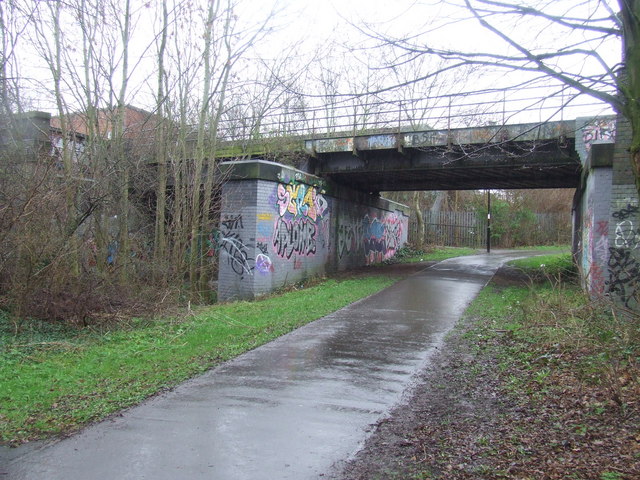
pixel 287 224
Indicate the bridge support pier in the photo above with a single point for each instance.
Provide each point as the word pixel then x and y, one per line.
pixel 607 219
pixel 281 226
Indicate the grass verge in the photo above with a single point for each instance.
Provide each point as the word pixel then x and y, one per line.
pixel 54 379
pixel 411 255
pixel 544 248
pixel 554 267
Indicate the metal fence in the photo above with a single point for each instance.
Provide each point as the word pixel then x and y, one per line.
pixel 469 229
pixel 337 116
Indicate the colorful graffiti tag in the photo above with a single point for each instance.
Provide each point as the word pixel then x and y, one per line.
pixel 302 210
pixel 595 252
pixel 602 129
pixel 381 237
pixel 263 264
pixel 376 237
pixel 301 201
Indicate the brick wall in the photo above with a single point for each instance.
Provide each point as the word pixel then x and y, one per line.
pixel 624 225
pixel 281 226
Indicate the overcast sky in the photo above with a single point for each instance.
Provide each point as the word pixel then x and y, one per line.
pixel 333 29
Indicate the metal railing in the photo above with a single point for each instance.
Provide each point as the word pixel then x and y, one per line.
pixel 348 116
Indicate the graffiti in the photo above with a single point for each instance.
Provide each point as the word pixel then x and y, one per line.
pixel 228 241
pixel 381 238
pixel 297 264
pixel 301 223
pixel 349 238
pixel 595 252
pixel 602 227
pixel 237 255
pixel 265 229
pixel 373 240
pixel 76 147
pixel 624 275
pixel 232 222
pixel 263 264
pixel 392 233
pixel 624 269
pixel 381 141
pixel 426 138
pixel 599 130
pixel 294 236
pixel 627 236
pixel 374 250
pixel 262 247
pixel 334 144
pixel 596 273
pixel 301 200
pixel 378 238
pixel 625 212
pixel 601 246
pixel 265 216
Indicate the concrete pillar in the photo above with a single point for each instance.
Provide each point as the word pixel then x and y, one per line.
pixel 594 218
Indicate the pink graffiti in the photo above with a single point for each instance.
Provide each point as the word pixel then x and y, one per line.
pixel 392 233
pixel 301 201
pixel 602 247
pixel 599 130
pixel 596 274
pixel 602 227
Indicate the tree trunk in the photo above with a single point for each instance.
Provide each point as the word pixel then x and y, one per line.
pixel 160 250
pixel 629 82
pixel 121 156
pixel 196 213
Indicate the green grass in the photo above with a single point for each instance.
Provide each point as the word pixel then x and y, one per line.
pixel 569 362
pixel 557 317
pixel 410 255
pixel 54 379
pixel 545 248
pixel 552 266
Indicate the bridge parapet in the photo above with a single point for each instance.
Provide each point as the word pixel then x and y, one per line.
pixel 493 134
pixel 594 130
pixel 528 155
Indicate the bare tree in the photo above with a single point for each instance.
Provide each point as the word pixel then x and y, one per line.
pixel 160 239
pixel 575 51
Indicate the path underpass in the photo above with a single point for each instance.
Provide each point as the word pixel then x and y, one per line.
pixel 293 409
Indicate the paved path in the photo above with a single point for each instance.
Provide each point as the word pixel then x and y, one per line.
pixel 292 409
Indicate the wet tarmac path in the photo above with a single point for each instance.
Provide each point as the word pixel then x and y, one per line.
pixel 292 409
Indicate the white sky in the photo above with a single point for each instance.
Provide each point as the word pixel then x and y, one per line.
pixel 329 27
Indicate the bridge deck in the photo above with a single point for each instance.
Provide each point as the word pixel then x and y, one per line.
pixel 506 157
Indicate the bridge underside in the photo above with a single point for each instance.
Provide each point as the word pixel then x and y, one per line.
pixel 546 166
pixel 507 157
